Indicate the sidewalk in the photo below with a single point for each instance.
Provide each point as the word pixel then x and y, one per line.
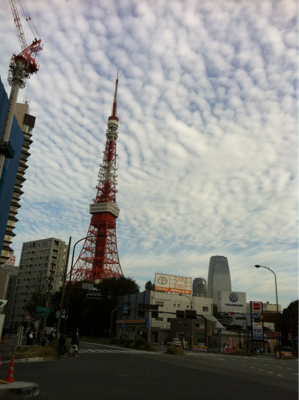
pixel 7 347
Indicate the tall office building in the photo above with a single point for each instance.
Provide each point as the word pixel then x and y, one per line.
pixel 199 287
pixel 41 269
pixel 8 281
pixel 12 201
pixel 219 276
pixel 9 194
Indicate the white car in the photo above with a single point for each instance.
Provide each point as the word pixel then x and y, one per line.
pixel 175 342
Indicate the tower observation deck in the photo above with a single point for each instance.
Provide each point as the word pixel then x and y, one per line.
pixel 98 258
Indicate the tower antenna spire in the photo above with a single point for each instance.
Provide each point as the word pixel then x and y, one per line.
pixel 114 107
pixel 99 258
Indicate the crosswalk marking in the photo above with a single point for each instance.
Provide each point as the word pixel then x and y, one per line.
pixel 116 351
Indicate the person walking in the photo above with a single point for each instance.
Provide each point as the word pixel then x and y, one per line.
pixel 30 338
pixel 61 343
pixel 75 341
pixel 44 338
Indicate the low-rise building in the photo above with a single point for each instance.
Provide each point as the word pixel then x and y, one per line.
pixel 134 320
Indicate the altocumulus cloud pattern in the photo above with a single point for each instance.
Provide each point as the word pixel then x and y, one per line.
pixel 207 140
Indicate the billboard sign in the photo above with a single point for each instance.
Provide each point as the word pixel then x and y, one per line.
pixel 256 306
pixel 173 284
pixel 12 259
pixel 257 331
pixel 231 301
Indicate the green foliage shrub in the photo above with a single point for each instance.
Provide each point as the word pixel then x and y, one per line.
pixel 46 351
pixel 139 342
pixel 149 347
pixel 175 351
pixel 115 340
pixel 240 352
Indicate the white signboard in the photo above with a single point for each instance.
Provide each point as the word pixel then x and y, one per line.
pixel 87 285
pixel 257 331
pixel 173 284
pixel 231 301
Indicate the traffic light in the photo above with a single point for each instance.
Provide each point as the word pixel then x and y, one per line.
pixel 227 314
pixel 94 294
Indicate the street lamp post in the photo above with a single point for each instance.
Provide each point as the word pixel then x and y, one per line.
pixel 190 321
pixel 70 281
pixel 277 317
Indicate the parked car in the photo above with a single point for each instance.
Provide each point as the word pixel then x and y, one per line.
pixel 175 342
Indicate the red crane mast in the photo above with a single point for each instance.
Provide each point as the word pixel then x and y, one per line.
pixel 21 67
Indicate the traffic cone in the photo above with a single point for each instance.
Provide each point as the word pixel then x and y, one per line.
pixel 9 377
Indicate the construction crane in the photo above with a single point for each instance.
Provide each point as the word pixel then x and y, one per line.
pixel 21 67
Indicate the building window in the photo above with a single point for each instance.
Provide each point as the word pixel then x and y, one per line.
pixel 205 309
pixel 159 319
pixel 141 314
pixel 159 303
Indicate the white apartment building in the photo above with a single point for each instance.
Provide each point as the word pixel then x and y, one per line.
pixel 42 267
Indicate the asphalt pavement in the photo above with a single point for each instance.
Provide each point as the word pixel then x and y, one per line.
pixel 109 373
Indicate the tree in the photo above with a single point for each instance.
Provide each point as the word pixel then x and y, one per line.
pixel 32 303
pixel 289 323
pixel 92 317
pixel 149 286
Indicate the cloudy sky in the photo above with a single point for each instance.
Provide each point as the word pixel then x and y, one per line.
pixel 207 143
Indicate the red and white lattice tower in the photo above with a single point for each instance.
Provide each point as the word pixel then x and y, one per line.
pixel 99 255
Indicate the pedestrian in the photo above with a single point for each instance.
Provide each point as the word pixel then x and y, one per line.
pixel 44 338
pixel 75 341
pixel 30 337
pixel 27 338
pixel 52 336
pixel 61 343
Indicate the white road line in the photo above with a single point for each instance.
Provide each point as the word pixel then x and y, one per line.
pixel 261 370
pixel 292 369
pixel 279 375
pixel 269 372
pixel 295 373
pixel 252 367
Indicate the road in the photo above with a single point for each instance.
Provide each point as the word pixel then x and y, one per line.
pixel 109 373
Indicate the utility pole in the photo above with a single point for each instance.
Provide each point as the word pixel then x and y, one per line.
pixel 50 280
pixel 63 289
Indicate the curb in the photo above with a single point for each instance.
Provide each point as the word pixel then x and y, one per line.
pixel 31 359
pixel 16 390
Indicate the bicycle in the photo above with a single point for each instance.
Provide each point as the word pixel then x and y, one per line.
pixel 74 351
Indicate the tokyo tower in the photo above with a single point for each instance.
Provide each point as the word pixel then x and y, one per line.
pixel 98 258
